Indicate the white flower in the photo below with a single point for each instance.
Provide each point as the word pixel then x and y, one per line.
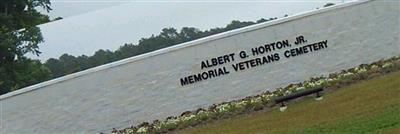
pixel 240 104
pixel 159 125
pixel 320 82
pixel 361 70
pixel 300 88
pixel 172 121
pixel 256 100
pixel 142 130
pixel 267 96
pixel 223 107
pixel 129 131
pixel 387 65
pixel 187 118
pixel 288 92
pixel 202 112
pixel 346 75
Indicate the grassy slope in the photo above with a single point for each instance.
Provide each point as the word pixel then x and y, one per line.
pixel 371 106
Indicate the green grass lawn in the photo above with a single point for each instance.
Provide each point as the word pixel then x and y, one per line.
pixel 371 106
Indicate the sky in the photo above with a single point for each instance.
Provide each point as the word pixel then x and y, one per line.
pixel 90 25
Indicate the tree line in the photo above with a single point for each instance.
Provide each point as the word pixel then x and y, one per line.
pixel 67 64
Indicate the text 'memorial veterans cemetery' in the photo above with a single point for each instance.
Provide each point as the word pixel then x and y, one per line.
pixel 265 49
pixel 219 68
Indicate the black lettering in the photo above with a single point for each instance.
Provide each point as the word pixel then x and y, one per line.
pixel 254 51
pixel 279 45
pixel 226 58
pixel 287 55
pixel 220 60
pixel 299 40
pixel 197 77
pixel 214 61
pixel 220 71
pixel 325 43
pixel 243 54
pixel 231 55
pixel 315 46
pixel 235 66
pixel 225 71
pixel 285 43
pixel 191 80
pixel 305 50
pixel 265 60
pixel 184 81
pixel 253 63
pixel 203 65
pixel 273 46
pixel 204 75
pixel 270 58
pixel 268 48
pixel 211 73
pixel 258 61
pixel 247 64
pixel 276 57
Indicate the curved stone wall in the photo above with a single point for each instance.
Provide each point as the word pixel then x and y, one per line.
pixel 210 70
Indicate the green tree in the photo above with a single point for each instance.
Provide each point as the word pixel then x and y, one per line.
pixel 18 36
pixel 101 57
pixel 189 33
pixel 69 64
pixel 55 66
pixel 29 72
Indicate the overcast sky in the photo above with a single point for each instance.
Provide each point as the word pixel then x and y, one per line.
pixel 90 25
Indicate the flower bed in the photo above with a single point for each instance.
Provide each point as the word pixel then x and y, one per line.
pixel 263 100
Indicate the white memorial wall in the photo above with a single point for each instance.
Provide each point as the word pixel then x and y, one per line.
pixel 219 68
